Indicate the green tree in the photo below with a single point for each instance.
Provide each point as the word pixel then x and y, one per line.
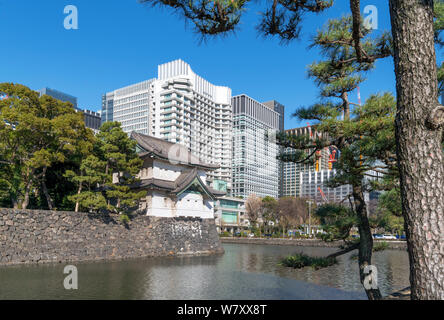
pixel 91 174
pixel 122 164
pixel 35 134
pixel 106 177
pixel 337 221
pixel 389 212
pixel 269 212
pixel 418 136
pixel 350 130
pixel 361 134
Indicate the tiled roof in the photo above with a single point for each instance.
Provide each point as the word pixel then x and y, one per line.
pixel 179 185
pixel 166 150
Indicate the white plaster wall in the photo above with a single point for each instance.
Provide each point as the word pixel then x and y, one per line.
pixel 188 205
pixel 193 205
pixel 159 207
pixel 166 171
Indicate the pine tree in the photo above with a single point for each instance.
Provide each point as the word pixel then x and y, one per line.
pixel 413 36
pixel 419 134
pixel 361 134
pixel 122 164
pixel 105 178
pixel 91 174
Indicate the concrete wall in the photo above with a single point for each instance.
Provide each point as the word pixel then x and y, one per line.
pixel 37 236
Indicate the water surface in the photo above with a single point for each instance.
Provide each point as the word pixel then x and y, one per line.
pixel 245 271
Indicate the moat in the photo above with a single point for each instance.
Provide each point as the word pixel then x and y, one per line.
pixel 243 272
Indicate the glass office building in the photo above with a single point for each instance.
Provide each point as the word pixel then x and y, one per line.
pixel 59 96
pixel 255 164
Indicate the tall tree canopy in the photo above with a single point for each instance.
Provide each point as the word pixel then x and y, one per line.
pixel 35 134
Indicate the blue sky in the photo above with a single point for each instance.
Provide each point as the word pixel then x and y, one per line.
pixel 120 42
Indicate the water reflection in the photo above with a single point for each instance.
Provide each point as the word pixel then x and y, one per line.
pixel 243 272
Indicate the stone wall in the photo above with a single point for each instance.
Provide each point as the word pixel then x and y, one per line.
pixel 392 244
pixel 37 236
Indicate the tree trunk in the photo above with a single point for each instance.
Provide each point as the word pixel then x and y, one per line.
pixel 25 201
pixel 23 204
pixel 419 150
pixel 365 241
pixel 77 202
pixel 15 203
pixel 45 190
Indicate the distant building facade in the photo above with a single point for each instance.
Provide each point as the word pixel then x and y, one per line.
pixel 92 119
pixel 291 176
pixel 181 107
pixel 313 186
pixel 279 108
pixel 230 214
pixel 59 96
pixel 255 164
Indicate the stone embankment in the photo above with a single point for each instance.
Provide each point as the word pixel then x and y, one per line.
pixel 37 236
pixel 399 245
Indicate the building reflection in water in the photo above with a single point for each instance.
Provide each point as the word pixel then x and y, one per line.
pixel 243 272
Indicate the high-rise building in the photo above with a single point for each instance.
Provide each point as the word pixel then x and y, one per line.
pixel 92 119
pixel 130 106
pixel 59 96
pixel 313 186
pixel 181 107
pixel 107 107
pixel 291 178
pixel 255 163
pixel 279 108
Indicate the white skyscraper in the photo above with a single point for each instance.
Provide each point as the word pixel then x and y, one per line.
pixel 181 107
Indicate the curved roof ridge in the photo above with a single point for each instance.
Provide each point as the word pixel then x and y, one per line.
pixel 171 151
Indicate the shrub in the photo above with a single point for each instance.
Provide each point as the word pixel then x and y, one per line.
pixel 380 246
pixel 124 218
pixel 301 260
pixel 225 234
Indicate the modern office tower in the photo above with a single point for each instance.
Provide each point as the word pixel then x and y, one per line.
pixel 107 107
pixel 312 185
pixel 291 183
pixel 59 95
pixel 279 108
pixel 92 119
pixel 181 107
pixel 255 166
pixel 130 106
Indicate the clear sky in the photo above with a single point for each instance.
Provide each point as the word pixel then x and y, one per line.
pixel 121 42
